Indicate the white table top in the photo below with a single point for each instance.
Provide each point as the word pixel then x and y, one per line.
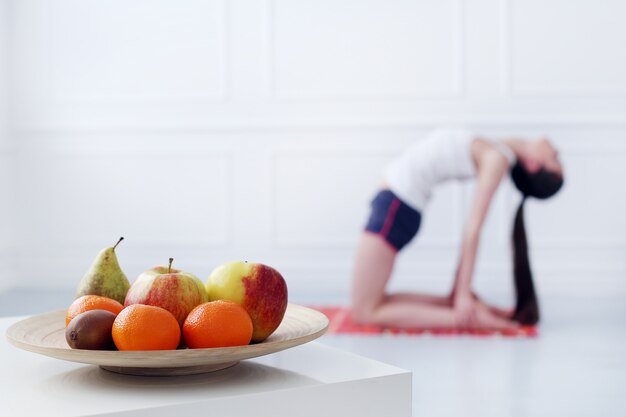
pixel 33 384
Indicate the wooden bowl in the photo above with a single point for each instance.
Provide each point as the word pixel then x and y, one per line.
pixel 45 334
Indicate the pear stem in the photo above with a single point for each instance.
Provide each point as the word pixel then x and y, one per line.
pixel 118 242
pixel 169 268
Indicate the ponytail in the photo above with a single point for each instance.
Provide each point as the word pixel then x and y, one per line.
pixel 526 305
pixel 541 184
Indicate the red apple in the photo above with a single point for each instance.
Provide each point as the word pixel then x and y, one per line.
pixel 176 291
pixel 258 288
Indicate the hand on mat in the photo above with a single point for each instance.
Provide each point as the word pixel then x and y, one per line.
pixel 496 311
pixel 473 314
pixel 485 319
pixel 465 307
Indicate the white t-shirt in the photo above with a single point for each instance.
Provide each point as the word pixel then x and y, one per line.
pixel 444 154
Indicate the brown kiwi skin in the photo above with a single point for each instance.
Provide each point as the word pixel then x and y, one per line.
pixel 91 330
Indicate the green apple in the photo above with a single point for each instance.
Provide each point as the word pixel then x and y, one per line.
pixel 259 289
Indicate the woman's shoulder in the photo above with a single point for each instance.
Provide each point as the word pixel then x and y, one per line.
pixel 491 154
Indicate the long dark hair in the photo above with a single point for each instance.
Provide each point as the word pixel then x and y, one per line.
pixel 541 184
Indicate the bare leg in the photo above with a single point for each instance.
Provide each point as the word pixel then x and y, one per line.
pixel 446 301
pixel 370 304
pixel 436 300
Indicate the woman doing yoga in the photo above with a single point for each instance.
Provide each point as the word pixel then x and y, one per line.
pixel 445 155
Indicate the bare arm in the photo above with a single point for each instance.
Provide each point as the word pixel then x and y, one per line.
pixel 492 166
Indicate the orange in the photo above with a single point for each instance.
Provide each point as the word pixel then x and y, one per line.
pixel 92 302
pixel 217 324
pixel 144 327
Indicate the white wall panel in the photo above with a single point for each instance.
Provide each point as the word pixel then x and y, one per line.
pixel 321 198
pixel 108 53
pixel 8 276
pixel 568 47
pixel 594 203
pixel 7 202
pixel 4 66
pixel 374 49
pixel 5 142
pixel 150 198
pixel 7 179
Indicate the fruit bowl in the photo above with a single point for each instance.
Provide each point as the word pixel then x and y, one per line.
pixel 45 334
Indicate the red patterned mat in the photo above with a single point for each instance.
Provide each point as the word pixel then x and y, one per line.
pixel 341 323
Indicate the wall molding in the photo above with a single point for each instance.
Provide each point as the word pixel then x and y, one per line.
pixel 458 78
pixel 486 121
pixel 507 83
pixel 221 97
pixel 212 240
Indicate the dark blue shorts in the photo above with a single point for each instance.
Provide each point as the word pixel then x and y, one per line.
pixel 393 220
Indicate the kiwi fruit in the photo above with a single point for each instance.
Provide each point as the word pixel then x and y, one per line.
pixel 91 330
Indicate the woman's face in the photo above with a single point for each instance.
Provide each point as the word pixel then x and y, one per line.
pixel 542 154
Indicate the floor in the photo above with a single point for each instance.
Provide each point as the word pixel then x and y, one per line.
pixel 576 367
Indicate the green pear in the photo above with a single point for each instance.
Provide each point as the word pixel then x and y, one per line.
pixel 105 277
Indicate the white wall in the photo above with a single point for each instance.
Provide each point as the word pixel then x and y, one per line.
pixel 7 179
pixel 211 130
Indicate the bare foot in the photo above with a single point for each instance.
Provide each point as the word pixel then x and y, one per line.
pixel 496 311
pixel 485 319
pixel 499 312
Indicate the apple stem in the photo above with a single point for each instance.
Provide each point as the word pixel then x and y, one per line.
pixel 118 242
pixel 169 268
